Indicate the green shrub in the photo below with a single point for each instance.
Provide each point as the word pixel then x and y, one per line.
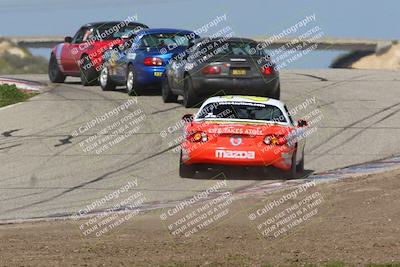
pixel 9 94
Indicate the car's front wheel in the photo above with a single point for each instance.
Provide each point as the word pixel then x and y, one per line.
pixel 167 95
pixel 87 72
pixel 106 83
pixel 55 74
pixel 132 87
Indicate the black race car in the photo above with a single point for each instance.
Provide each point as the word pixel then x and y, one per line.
pixel 220 66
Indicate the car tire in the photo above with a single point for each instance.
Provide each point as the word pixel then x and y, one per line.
pixel 105 81
pixel 277 94
pixel 189 96
pixel 55 74
pixel 186 171
pixel 167 95
pixel 132 87
pixel 274 95
pixel 300 165
pixel 293 169
pixel 89 75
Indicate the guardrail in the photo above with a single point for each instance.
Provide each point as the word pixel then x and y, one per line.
pixel 322 43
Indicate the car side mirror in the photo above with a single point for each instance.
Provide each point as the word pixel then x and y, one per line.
pixel 188 118
pixel 302 123
pixel 68 39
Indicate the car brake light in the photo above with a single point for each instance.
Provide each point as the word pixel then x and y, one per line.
pixel 153 61
pixel 266 70
pixel 211 70
pixel 278 140
pixel 197 137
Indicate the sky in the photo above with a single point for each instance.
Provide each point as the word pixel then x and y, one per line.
pixel 250 18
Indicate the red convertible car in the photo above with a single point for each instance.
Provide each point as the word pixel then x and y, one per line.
pixel 242 131
pixel 82 55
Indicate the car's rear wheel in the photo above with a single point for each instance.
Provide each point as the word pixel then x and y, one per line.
pixel 55 74
pixel 189 96
pixel 106 83
pixel 186 171
pixel 293 169
pixel 167 94
pixel 300 165
pixel 132 87
pixel 87 71
pixel 276 94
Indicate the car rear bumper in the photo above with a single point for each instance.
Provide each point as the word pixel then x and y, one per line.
pixel 250 86
pixel 199 153
pixel 150 76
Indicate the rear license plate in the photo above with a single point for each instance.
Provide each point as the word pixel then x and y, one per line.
pixel 158 73
pixel 239 72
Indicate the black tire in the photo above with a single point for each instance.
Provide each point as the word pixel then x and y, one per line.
pixel 105 81
pixel 132 88
pixel 189 96
pixel 277 94
pixel 293 169
pixel 274 95
pixel 186 171
pixel 88 73
pixel 300 165
pixel 167 95
pixel 55 74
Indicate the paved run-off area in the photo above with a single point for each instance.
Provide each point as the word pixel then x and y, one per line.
pixel 46 172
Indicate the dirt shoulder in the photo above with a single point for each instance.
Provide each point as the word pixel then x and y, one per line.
pixel 357 222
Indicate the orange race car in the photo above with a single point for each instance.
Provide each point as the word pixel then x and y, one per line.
pixel 244 131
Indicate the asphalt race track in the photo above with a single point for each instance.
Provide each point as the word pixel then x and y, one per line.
pixel 45 172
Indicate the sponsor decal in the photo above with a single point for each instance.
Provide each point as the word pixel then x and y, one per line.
pixel 232 154
pixel 251 98
pixel 236 140
pixel 226 130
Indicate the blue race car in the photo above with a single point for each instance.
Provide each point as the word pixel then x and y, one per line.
pixel 140 62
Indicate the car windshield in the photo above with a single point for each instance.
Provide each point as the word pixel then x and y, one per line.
pixel 241 111
pixel 165 39
pixel 112 32
pixel 231 48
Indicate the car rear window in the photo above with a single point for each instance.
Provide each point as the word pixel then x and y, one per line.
pixel 234 48
pixel 242 111
pixel 165 39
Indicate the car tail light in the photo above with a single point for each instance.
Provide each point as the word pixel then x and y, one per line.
pixel 197 137
pixel 278 140
pixel 211 70
pixel 266 70
pixel 153 61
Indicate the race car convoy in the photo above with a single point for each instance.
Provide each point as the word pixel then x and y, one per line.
pixel 231 129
